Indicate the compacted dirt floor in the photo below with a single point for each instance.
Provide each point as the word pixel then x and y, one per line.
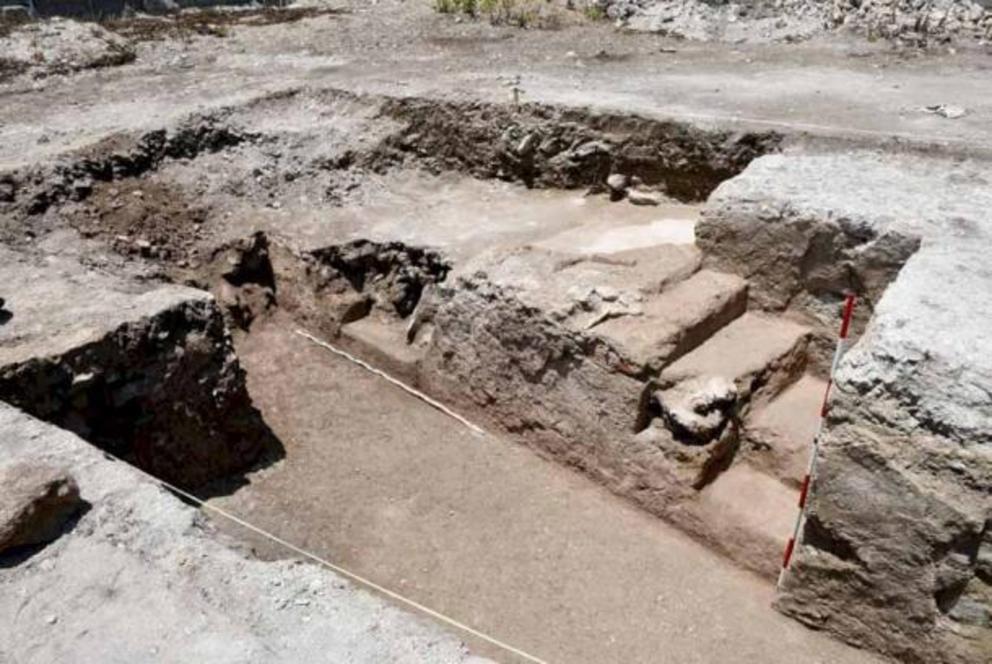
pixel 486 531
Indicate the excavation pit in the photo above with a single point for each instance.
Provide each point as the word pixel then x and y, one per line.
pixel 487 258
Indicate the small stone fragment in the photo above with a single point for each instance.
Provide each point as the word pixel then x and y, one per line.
pixel 946 111
pixel 35 503
pixel 526 147
pixel 617 185
pixel 640 197
pixel 617 181
pixel 697 412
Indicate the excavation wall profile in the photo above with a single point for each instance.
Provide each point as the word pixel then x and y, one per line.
pixel 896 553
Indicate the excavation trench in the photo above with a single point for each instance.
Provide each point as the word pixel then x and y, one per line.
pixel 564 342
pixel 487 258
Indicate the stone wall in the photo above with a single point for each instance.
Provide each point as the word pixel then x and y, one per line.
pixel 895 554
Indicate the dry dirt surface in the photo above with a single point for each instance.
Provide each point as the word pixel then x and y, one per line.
pixel 209 22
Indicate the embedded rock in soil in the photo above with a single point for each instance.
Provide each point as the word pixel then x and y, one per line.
pixel 241 275
pixel 331 286
pixel 575 148
pixel 617 184
pixel 36 500
pixel 899 514
pixel 146 372
pixel 698 411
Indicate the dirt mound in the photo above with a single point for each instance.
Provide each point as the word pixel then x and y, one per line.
pixel 753 21
pixel 60 47
pixel 142 217
pixel 209 22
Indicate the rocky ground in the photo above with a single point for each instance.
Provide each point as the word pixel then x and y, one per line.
pixel 60 46
pixel 623 250
pixel 918 24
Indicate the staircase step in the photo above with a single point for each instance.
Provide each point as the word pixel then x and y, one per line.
pixel 757 352
pixel 678 319
pixel 781 432
pixel 753 513
pixel 382 342
pixel 581 291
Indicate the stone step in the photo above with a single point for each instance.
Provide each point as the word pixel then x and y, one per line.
pixel 779 434
pixel 382 342
pixel 580 292
pixel 760 354
pixel 677 320
pixel 749 516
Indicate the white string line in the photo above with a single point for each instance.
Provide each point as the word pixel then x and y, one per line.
pixel 398 383
pixel 361 580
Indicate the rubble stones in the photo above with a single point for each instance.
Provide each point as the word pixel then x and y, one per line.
pixel 907 21
pixel 60 46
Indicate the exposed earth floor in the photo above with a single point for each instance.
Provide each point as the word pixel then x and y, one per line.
pixel 483 529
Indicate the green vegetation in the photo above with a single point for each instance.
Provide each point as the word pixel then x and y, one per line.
pixel 594 12
pixel 521 13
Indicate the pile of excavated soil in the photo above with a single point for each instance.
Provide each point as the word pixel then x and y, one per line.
pixel 209 22
pixel 142 217
pixel 60 47
pixel 753 21
pixel 912 21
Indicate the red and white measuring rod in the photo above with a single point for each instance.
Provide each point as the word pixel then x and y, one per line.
pixel 845 328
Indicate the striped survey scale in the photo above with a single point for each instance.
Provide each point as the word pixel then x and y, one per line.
pixel 845 328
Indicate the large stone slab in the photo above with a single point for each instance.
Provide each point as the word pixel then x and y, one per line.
pixel 803 229
pixel 900 515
